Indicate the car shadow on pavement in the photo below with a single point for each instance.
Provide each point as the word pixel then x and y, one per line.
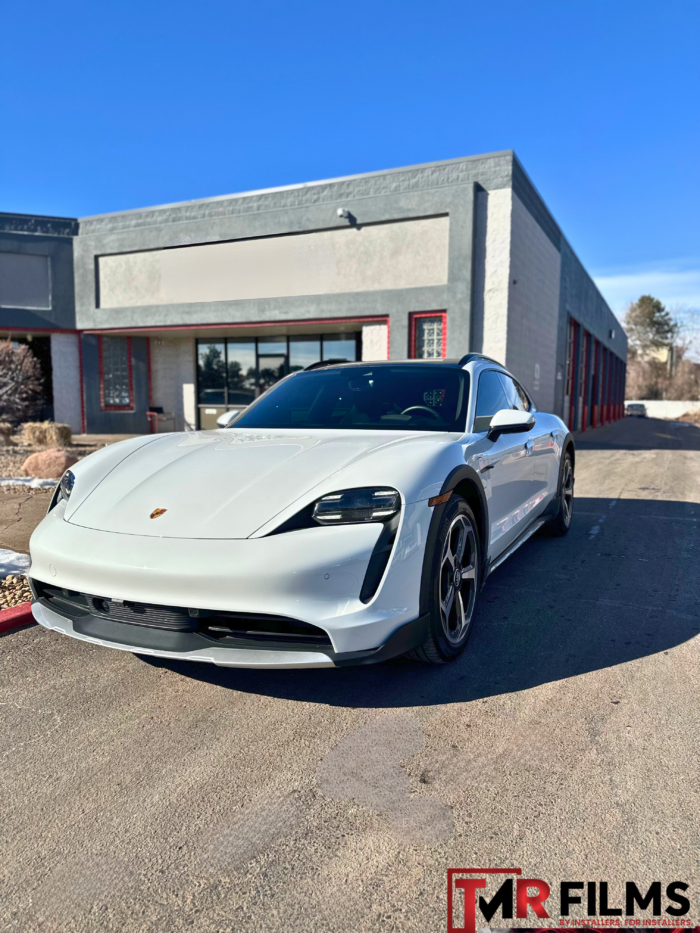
pixel 641 434
pixel 622 585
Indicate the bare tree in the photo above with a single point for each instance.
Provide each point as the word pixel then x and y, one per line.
pixel 21 383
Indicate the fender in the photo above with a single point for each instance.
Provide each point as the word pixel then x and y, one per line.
pixel 453 479
pixel 553 506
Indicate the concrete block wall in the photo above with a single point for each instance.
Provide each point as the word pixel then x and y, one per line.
pixel 173 378
pixel 533 306
pixel 492 230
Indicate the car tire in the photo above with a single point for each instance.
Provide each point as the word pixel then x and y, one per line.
pixel 559 525
pixel 455 577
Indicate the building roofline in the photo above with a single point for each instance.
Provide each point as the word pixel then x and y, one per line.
pixel 307 184
pixel 38 224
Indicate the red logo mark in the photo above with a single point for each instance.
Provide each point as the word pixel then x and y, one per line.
pixel 503 898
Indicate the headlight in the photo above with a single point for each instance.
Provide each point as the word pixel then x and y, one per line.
pixel 357 505
pixel 66 484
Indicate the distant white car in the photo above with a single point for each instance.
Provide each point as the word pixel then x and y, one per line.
pixel 636 410
pixel 224 420
pixel 350 514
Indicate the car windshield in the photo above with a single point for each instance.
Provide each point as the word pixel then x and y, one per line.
pixel 408 397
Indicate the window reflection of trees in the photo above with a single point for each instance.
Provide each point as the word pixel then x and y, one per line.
pixel 234 371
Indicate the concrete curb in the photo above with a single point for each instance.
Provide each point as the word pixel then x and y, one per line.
pixel 16 617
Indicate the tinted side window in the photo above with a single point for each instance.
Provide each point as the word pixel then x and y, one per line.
pixel 490 399
pixel 515 395
pixel 526 403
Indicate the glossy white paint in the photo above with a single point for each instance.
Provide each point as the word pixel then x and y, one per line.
pixel 226 490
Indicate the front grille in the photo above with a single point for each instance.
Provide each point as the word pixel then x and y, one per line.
pixel 253 628
pixel 167 617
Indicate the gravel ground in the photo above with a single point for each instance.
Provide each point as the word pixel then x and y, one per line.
pixel 14 590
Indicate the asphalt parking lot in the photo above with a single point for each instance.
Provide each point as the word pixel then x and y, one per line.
pixel 142 796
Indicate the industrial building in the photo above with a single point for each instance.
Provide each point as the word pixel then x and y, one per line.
pixel 162 318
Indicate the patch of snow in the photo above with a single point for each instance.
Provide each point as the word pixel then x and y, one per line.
pixel 13 562
pixel 32 482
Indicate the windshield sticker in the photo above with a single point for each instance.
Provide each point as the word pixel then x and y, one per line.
pixel 434 397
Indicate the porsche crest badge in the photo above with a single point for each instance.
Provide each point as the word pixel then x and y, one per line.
pixel 156 513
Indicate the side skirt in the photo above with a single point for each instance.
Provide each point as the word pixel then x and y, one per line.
pixel 528 533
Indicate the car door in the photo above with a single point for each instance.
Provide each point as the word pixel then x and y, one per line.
pixel 503 464
pixel 543 450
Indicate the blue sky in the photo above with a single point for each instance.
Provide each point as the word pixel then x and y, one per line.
pixel 108 107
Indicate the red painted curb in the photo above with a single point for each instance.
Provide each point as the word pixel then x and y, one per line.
pixel 15 617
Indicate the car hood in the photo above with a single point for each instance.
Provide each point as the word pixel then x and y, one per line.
pixel 220 484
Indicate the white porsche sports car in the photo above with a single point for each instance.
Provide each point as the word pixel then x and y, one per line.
pixel 349 515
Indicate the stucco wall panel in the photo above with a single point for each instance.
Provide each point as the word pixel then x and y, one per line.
pixel 353 259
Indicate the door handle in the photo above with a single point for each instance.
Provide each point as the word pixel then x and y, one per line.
pixel 528 446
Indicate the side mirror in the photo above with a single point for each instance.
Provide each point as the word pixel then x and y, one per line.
pixel 510 421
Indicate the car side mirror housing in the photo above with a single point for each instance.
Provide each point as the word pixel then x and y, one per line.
pixel 510 421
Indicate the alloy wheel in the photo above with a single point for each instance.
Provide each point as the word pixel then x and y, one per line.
pixel 567 490
pixel 458 579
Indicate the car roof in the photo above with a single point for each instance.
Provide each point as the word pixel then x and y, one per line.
pixel 454 362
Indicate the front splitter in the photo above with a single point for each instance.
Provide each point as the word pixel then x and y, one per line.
pixel 222 657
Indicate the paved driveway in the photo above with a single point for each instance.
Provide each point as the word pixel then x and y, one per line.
pixel 143 797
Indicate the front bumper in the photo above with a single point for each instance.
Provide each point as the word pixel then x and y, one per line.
pixel 162 644
pixel 311 575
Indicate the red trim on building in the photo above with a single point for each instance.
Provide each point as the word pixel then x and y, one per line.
pixel 374 318
pixel 148 371
pixel 413 317
pixel 572 345
pixel 151 415
pixel 82 383
pixel 585 409
pixel 594 384
pixel 38 330
pixel 103 407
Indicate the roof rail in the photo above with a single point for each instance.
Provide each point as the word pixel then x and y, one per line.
pixel 323 363
pixel 470 357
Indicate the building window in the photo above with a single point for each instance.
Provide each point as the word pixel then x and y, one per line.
pixel 116 376
pixel 428 335
pixel 232 372
pixel 25 281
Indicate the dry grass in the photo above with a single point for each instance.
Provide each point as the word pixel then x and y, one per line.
pixel 692 416
pixel 45 434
